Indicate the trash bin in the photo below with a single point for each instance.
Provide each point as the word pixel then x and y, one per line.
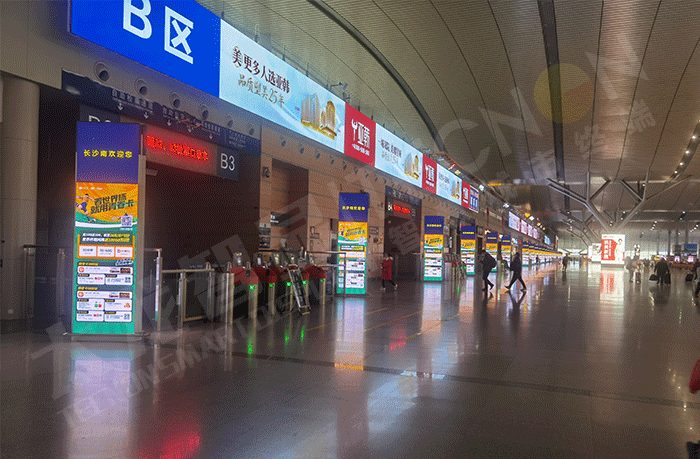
pixel 268 284
pixel 316 285
pixel 246 291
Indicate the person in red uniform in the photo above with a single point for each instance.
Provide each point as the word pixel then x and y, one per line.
pixel 388 271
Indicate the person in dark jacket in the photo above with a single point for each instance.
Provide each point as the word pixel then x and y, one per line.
pixel 516 266
pixel 662 271
pixel 487 265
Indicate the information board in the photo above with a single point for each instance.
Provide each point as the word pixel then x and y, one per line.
pixel 492 244
pixel 106 228
pixel 506 248
pixel 468 247
pixel 433 245
pixel 353 212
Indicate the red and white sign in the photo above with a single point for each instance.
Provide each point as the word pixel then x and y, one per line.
pixel 612 249
pixel 466 189
pixel 429 175
pixel 360 135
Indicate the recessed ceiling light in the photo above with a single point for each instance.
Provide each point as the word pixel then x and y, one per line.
pixel 694 137
pixel 687 152
pixel 682 163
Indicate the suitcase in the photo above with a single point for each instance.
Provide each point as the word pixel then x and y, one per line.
pixel 689 277
pixel 653 278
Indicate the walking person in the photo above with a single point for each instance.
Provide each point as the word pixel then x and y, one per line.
pixel 663 274
pixel 487 265
pixel 696 273
pixel 565 262
pixel 516 266
pixel 388 271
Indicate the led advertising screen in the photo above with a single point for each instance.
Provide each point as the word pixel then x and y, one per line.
pixel 433 245
pixel 253 78
pixel 468 247
pixel 397 158
pixel 449 186
pixel 429 175
pixel 612 249
pixel 353 234
pixel 465 194
pixel 105 228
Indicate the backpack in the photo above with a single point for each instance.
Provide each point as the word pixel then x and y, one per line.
pixel 489 261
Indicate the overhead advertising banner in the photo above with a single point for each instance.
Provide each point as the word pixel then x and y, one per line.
pixel 474 199
pixel 467 234
pixel 253 78
pixel 429 175
pixel 612 249
pixel 513 221
pixel 360 135
pixel 465 194
pixel 397 158
pixel 353 212
pixel 449 186
pixel 179 38
pixel 433 245
pixel 106 228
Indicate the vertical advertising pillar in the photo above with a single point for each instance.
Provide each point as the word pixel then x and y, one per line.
pixel 353 211
pixel 105 300
pixel 506 248
pixel 526 253
pixel 433 245
pixel 468 247
pixel 492 244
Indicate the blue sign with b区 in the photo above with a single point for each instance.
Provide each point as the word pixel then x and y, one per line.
pixel 108 152
pixel 353 207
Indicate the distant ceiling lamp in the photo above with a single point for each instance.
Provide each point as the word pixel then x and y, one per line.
pixel 481 187
pixel 532 218
pixel 682 163
pixel 687 152
pixel 694 137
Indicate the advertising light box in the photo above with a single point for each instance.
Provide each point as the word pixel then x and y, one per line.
pixel 468 247
pixel 612 249
pixel 433 245
pixel 430 175
pixel 513 221
pixel 360 135
pixel 474 199
pixel 449 186
pixel 397 158
pixel 465 194
pixel 353 235
pixel 253 78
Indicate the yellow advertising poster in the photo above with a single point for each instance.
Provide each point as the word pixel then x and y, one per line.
pixel 105 203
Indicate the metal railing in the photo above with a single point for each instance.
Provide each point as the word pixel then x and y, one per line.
pixel 181 298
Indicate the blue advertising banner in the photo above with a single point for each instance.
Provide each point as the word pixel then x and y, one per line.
pixel 108 152
pixel 179 38
pixel 467 235
pixel 474 199
pixel 353 207
pixel 434 224
pixel 449 186
pixel 397 158
pixel 256 80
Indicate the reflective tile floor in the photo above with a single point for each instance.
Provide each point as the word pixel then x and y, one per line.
pixel 584 364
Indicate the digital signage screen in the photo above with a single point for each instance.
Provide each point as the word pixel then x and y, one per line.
pixel 612 249
pixel 513 221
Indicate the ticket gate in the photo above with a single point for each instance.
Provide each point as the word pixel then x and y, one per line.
pixel 245 290
pixel 268 286
pixel 316 285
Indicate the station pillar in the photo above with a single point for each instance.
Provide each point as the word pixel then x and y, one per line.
pixel 19 155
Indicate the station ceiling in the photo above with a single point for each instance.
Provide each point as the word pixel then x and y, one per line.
pixel 522 94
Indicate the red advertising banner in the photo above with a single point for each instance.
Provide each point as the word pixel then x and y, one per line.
pixel 360 135
pixel 429 175
pixel 466 189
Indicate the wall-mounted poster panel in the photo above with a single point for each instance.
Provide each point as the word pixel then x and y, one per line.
pixel 492 244
pixel 397 158
pixel 253 78
pixel 433 245
pixel 506 248
pixel 106 228
pixel 612 249
pixel 468 247
pixel 353 212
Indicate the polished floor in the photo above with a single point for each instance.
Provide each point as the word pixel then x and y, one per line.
pixel 584 364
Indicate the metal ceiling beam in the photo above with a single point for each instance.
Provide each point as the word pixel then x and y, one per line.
pixel 599 190
pixel 334 16
pixel 631 190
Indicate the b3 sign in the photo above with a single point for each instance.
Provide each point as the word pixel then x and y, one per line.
pixel 177 38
